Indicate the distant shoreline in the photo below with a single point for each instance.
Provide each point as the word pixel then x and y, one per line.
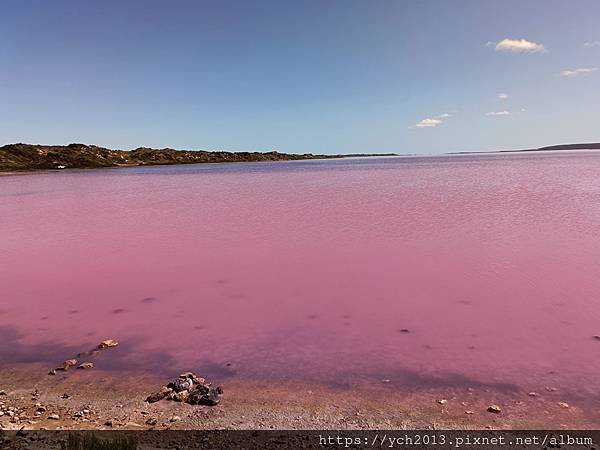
pixel 29 157
pixel 21 158
pixel 588 146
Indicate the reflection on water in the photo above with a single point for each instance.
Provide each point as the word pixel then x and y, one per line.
pixel 457 271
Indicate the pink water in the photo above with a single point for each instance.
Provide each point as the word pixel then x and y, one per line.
pixel 310 270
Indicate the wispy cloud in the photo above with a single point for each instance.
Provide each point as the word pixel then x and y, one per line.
pixel 431 122
pixel 502 96
pixel 517 46
pixel 592 44
pixel 577 72
pixel 498 113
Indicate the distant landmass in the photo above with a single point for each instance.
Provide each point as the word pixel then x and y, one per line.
pixel 19 157
pixel 28 157
pixel 592 146
pixel 588 146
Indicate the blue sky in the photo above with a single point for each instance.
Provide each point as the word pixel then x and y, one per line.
pixel 336 76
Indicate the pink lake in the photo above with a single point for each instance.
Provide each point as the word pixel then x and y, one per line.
pixel 312 270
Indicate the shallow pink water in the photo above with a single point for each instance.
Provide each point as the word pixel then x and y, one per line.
pixel 311 269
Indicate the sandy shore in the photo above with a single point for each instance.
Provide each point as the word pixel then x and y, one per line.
pixel 94 399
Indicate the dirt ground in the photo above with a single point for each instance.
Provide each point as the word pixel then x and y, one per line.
pixel 92 399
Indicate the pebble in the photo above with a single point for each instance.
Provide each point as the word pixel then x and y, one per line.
pixel 174 419
pixel 533 394
pixel 2 392
pixel 108 343
pixel 563 404
pixel 86 365
pixel 53 417
pixel 68 363
pixel 494 409
pixel 469 412
pixel 442 401
pixel 152 421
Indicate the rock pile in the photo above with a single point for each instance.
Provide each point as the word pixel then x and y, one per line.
pixel 189 388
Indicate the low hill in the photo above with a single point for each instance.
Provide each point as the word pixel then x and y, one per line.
pixel 15 157
pixel 593 146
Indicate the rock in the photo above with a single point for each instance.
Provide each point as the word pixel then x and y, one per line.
pixel 180 396
pixel 41 409
pixel 108 423
pixel 65 396
pixel 181 384
pixel 385 380
pixel 2 392
pixel 86 365
pixel 157 397
pixel 597 337
pixel 563 404
pixel 109 343
pixel 533 394
pixel 152 421
pixel 52 372
pixel 175 419
pixel 551 389
pixel 68 363
pixel 494 409
pixel 404 330
pixel 469 412
pixel 54 417
pixel 204 395
pixel 442 401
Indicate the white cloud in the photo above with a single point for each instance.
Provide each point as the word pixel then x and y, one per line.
pixel 431 122
pixel 428 123
pixel 517 46
pixel 498 113
pixel 502 96
pixel 592 44
pixel 577 72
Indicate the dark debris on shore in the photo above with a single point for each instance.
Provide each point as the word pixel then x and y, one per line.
pixel 188 388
